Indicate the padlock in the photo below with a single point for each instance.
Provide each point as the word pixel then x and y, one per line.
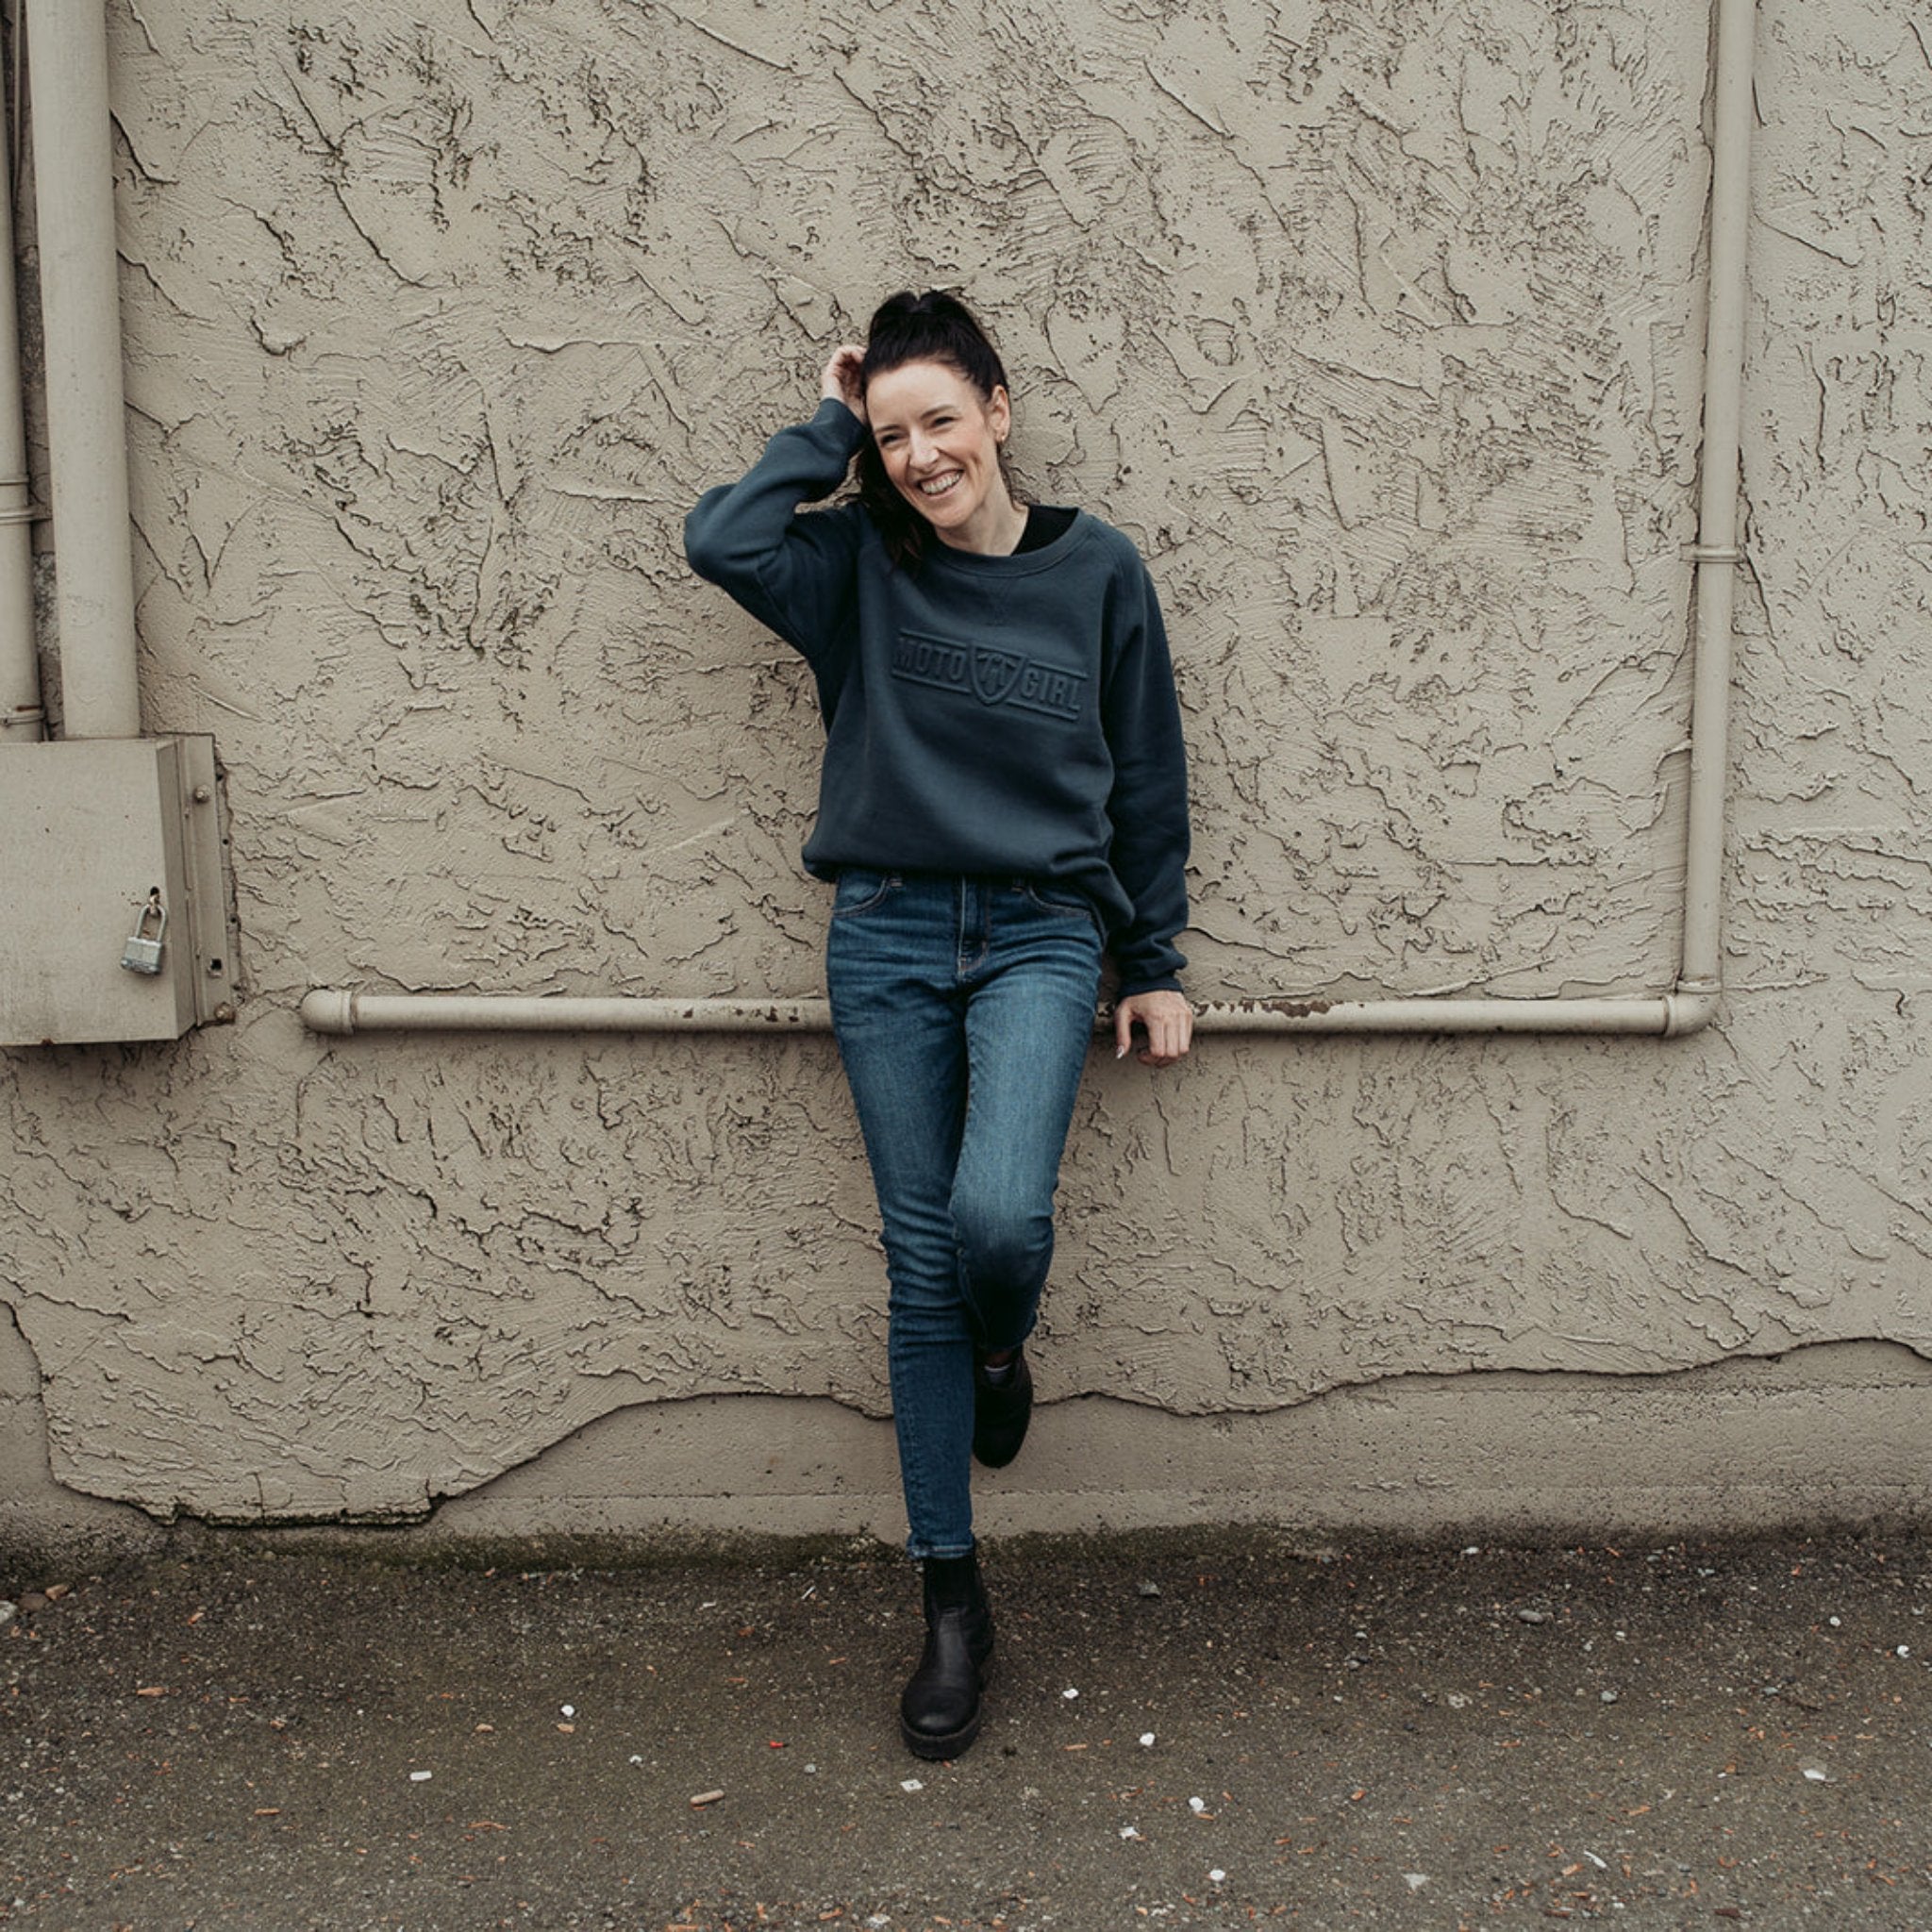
pixel 142 954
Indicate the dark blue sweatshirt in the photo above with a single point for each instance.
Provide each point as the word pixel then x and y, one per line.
pixel 1004 715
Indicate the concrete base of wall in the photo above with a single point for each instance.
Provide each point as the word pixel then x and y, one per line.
pixel 1838 1435
pixel 1834 1436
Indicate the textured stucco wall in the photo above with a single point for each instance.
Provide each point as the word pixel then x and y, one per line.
pixel 1379 326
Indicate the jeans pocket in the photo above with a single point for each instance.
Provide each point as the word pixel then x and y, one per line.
pixel 859 890
pixel 1064 903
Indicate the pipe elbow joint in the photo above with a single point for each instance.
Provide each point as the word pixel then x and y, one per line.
pixel 1689 1006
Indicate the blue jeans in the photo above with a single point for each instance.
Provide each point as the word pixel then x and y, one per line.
pixel 963 1009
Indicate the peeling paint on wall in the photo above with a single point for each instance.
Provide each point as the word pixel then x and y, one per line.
pixel 1378 327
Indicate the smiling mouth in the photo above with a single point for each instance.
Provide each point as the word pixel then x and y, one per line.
pixel 938 486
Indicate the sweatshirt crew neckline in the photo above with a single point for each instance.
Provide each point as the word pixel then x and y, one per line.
pixel 1014 562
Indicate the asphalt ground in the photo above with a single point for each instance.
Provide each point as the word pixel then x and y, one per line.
pixel 1211 1729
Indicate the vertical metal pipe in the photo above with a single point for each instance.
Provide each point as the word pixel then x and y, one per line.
pixel 80 307
pixel 20 718
pixel 1717 553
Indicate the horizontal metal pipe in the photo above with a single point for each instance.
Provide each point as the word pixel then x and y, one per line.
pixel 1674 1013
pixel 337 1011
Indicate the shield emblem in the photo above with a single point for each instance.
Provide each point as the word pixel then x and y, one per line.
pixel 995 673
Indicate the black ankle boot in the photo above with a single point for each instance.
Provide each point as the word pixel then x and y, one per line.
pixel 938 1711
pixel 1001 1411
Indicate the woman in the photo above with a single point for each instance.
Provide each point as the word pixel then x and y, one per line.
pixel 1002 794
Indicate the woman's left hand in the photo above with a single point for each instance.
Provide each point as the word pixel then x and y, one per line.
pixel 1168 1020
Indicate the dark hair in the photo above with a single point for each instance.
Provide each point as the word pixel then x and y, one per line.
pixel 932 327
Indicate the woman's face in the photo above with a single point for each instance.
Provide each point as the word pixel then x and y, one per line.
pixel 940 441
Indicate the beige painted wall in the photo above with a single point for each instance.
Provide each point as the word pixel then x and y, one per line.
pixel 1380 329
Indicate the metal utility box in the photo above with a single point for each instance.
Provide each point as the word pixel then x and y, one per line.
pixel 90 830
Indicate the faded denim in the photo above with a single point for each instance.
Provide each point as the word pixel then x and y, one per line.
pixel 963 1010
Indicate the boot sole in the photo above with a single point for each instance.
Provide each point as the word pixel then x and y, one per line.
pixel 932 1749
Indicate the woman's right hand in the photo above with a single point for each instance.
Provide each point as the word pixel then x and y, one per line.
pixel 839 383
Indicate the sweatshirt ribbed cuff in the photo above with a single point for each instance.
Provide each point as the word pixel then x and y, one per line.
pixel 1130 987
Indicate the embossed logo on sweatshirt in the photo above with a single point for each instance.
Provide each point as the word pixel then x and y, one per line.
pixel 989 674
